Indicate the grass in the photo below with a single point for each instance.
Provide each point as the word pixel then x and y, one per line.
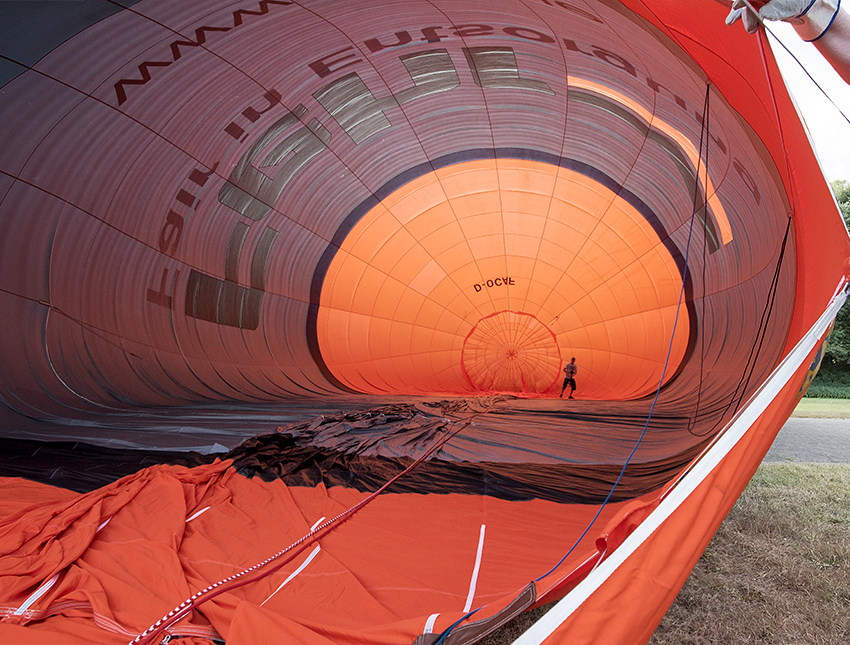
pixel 776 573
pixel 778 569
pixel 824 408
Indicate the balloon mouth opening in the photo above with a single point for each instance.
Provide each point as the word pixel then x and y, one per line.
pixel 511 352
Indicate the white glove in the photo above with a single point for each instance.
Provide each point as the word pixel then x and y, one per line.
pixel 810 18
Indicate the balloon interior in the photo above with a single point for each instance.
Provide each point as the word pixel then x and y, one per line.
pixel 288 289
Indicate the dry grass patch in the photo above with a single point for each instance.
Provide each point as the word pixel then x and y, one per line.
pixel 776 573
pixel 822 408
pixel 778 569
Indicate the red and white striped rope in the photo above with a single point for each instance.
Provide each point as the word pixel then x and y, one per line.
pixel 213 590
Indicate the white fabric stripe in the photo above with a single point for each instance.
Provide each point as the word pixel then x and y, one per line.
pixel 309 559
pixel 429 624
pixel 203 510
pixel 102 525
pixel 110 625
pixel 38 593
pixel 319 521
pixel 733 433
pixel 474 580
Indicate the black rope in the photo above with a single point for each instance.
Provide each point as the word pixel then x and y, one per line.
pixel 755 350
pixel 766 316
pixel 692 419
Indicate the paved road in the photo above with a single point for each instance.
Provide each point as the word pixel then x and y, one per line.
pixel 805 440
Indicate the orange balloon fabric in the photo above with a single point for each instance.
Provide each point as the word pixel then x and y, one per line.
pixel 340 243
pixel 513 265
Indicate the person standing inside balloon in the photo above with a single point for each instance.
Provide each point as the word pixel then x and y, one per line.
pixel 820 22
pixel 570 370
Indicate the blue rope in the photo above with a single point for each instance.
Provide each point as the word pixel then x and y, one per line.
pixel 666 362
pixel 449 629
pixel 803 67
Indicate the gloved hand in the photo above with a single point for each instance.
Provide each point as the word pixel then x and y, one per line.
pixel 810 18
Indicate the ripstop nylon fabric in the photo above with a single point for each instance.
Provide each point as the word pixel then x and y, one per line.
pixel 209 207
pixel 174 529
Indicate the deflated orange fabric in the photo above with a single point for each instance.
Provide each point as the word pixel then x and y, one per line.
pixel 106 554
pixel 103 566
pixel 19 494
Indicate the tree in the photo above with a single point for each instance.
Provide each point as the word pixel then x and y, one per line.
pixel 836 360
pixel 841 190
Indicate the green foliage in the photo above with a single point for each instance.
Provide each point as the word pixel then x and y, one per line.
pixel 841 190
pixel 833 380
pixel 837 357
pixel 828 390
